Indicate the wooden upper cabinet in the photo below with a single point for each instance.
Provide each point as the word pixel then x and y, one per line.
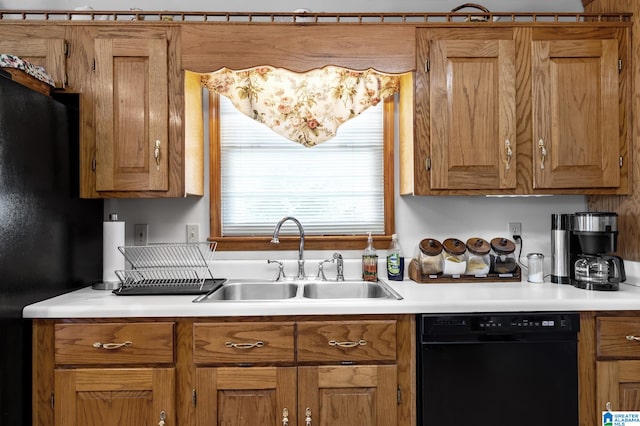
pixel 576 121
pixel 50 53
pixel 132 118
pixel 465 113
pixel 472 122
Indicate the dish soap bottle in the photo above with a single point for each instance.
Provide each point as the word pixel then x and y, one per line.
pixel 370 261
pixel 395 260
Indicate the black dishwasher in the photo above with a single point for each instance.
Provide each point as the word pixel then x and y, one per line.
pixel 498 369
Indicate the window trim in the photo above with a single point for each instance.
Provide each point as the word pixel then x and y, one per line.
pixel 313 242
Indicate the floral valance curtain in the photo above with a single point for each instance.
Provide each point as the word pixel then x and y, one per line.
pixel 306 107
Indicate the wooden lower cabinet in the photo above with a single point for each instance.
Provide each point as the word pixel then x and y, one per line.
pixel 114 397
pixel 246 396
pixel 348 395
pixel 294 371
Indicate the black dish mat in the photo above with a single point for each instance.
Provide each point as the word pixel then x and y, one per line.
pixel 168 289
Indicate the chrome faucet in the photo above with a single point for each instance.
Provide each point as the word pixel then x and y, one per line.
pixel 276 240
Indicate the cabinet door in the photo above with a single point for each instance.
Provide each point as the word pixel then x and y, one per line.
pixel 131 122
pixel 575 114
pixel 49 53
pixel 472 106
pixel 348 395
pixel 619 384
pixel 237 396
pixel 114 397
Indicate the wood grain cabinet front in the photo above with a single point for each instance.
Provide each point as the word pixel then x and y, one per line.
pixel 116 373
pixel 243 343
pixel 618 363
pixel 114 343
pixel 305 380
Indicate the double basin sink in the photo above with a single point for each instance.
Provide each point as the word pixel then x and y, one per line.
pixel 254 290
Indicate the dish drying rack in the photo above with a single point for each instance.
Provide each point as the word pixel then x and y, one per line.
pixel 168 268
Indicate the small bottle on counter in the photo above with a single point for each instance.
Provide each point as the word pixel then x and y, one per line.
pixel 370 261
pixel 395 260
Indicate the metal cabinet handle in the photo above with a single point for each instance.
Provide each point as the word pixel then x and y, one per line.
pixel 111 346
pixel 285 417
pixel 156 153
pixel 163 417
pixel 507 145
pixel 632 338
pixel 257 344
pixel 307 420
pixel 543 153
pixel 360 342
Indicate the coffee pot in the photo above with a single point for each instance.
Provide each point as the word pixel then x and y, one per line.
pixel 594 239
pixel 599 270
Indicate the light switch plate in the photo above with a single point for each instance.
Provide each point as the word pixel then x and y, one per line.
pixel 140 232
pixel 193 233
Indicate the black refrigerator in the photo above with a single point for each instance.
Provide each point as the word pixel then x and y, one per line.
pixel 50 240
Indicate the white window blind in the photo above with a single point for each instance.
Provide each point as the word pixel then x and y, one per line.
pixel 335 188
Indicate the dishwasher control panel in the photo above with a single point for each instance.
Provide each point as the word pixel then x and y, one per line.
pixel 442 326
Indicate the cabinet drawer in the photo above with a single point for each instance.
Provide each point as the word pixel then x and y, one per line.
pixel 114 343
pixel 612 341
pixel 322 341
pixel 243 342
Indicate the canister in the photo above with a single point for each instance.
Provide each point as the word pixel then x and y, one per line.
pixel 478 260
pixel 454 261
pixel 503 259
pixel 430 256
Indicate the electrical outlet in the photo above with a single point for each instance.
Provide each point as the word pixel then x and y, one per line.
pixel 515 228
pixel 193 233
pixel 140 232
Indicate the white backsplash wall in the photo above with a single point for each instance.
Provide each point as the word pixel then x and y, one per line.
pixel 416 217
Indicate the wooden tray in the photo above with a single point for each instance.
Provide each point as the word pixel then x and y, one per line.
pixel 417 276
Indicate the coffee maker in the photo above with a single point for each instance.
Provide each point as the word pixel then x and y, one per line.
pixel 592 240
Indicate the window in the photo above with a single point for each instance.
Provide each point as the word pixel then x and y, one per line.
pixel 339 190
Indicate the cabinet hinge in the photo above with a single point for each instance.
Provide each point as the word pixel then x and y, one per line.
pixel 52 401
pixel 66 49
pixel 427 66
pixel 399 396
pixel 428 163
pixel 619 65
pixel 620 161
pixel 93 165
pixel 94 66
pixel 194 397
pixel 66 79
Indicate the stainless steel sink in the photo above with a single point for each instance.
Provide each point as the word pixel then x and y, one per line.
pixel 349 290
pixel 251 290
pixel 260 290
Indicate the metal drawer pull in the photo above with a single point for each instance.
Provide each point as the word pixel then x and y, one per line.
pixel 156 154
pixel 163 417
pixel 285 417
pixel 637 339
pixel 543 153
pixel 507 145
pixel 307 420
pixel 257 344
pixel 360 342
pixel 111 346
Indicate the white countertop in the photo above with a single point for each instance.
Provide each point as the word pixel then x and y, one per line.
pixel 418 298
